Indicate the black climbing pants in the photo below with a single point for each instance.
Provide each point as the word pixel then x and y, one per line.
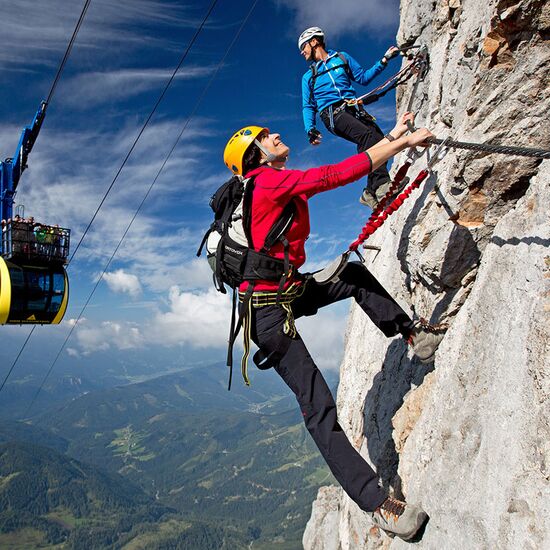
pixel 291 359
pixel 356 125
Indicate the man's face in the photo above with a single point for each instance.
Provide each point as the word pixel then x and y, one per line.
pixel 308 49
pixel 273 143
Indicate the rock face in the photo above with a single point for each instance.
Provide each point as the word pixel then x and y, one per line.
pixel 468 438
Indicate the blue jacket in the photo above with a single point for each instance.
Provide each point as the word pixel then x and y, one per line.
pixel 334 85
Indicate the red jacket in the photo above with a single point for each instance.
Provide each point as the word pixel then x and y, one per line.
pixel 274 189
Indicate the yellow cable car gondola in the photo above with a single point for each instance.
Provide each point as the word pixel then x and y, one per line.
pixel 34 287
pixel 32 294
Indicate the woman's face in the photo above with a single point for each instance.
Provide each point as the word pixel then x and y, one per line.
pixel 273 143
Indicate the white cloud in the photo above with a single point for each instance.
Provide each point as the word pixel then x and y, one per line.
pixel 344 16
pixel 160 248
pixel 37 33
pixel 323 335
pixel 71 352
pixel 106 335
pixel 197 319
pixel 120 281
pixel 90 89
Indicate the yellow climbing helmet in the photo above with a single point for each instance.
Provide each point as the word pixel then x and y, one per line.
pixel 236 147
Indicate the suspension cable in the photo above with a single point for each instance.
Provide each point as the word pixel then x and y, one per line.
pixel 17 358
pixel 146 123
pixel 68 51
pixel 48 101
pixel 177 140
pixel 182 59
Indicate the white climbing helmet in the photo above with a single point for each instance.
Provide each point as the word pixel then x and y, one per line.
pixel 308 34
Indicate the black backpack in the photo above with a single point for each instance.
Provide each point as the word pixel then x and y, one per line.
pixel 230 250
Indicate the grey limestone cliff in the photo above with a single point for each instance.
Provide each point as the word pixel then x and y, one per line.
pixel 468 437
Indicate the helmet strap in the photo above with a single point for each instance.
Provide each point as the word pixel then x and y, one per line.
pixel 314 48
pixel 270 157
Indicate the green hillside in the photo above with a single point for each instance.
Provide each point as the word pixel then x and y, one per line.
pixel 195 447
pixel 50 501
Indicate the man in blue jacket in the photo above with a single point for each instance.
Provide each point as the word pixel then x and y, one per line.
pixel 327 87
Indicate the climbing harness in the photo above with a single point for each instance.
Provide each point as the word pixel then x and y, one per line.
pixel 233 259
pixel 261 299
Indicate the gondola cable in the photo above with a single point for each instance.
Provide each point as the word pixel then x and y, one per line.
pixel 186 124
pixel 54 85
pixel 68 51
pixel 146 123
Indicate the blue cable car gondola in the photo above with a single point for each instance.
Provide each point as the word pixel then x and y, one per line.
pixel 34 287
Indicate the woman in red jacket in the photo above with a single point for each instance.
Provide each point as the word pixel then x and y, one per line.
pixel 255 152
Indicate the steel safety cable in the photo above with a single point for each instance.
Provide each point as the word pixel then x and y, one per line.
pixel 186 124
pixel 182 59
pixel 489 148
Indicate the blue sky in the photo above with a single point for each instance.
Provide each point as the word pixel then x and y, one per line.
pixel 156 304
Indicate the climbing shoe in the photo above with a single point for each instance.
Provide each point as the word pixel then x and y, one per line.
pixel 425 339
pixel 399 518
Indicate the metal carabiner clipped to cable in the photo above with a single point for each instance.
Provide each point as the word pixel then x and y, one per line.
pixel 439 154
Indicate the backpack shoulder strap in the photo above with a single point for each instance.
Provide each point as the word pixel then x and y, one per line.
pixel 314 74
pixel 247 210
pixel 280 227
pixel 313 68
pixel 346 64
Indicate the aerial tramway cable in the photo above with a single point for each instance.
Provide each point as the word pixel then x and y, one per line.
pixel 186 124
pixel 62 65
pixel 68 51
pixel 146 123
pixel 47 102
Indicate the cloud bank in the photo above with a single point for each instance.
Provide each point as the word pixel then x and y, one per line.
pixel 344 16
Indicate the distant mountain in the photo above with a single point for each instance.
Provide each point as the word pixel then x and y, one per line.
pixel 27 433
pixel 47 499
pixel 18 394
pixel 241 459
pixel 193 391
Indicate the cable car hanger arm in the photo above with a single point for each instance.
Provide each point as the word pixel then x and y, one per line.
pixel 26 143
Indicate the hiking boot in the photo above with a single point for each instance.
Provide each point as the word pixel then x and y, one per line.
pixel 368 199
pixel 399 518
pixel 425 339
pixel 372 198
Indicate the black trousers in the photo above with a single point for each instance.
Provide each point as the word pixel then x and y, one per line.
pixel 356 125
pixel 291 359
